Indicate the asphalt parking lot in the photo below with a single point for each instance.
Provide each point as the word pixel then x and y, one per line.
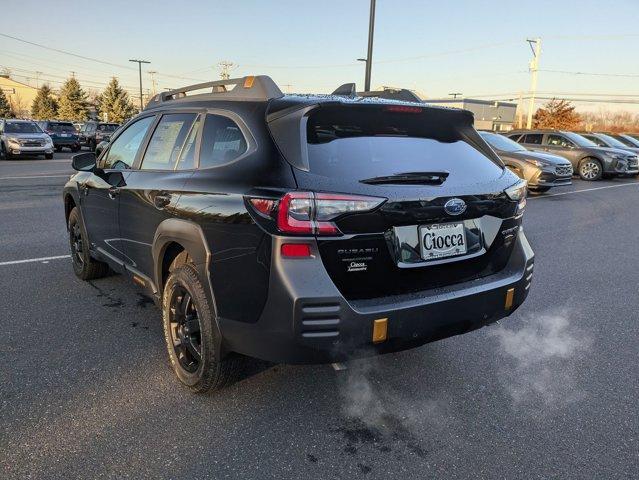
pixel 551 392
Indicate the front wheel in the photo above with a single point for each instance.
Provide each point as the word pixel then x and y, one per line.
pixel 539 189
pixel 85 267
pixel 190 335
pixel 590 169
pixel 48 156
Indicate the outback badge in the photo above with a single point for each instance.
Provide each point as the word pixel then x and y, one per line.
pixel 455 206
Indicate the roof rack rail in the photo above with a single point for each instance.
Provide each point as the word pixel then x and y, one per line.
pixel 255 88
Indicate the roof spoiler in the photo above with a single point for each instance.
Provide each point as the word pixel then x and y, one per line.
pixel 255 88
pixel 346 90
pixel 402 94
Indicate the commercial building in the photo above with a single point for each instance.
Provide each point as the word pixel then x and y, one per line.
pixel 20 95
pixel 494 115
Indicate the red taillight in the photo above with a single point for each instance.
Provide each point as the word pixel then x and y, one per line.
pixel 308 213
pixel 296 250
pixel 403 109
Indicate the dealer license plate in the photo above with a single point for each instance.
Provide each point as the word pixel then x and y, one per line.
pixel 442 240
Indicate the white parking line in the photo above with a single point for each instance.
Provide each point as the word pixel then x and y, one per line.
pixel 36 176
pixel 584 190
pixel 32 260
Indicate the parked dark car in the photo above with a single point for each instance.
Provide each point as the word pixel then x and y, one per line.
pixel 93 133
pixel 627 140
pixel 63 134
pixel 23 138
pixel 541 170
pixel 300 229
pixel 590 161
pixel 605 140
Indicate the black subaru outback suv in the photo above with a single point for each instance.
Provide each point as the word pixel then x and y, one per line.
pixel 300 228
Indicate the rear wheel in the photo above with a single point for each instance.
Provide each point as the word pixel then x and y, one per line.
pixel 3 153
pixel 58 149
pixel 590 169
pixel 84 266
pixel 75 148
pixel 48 156
pixel 191 337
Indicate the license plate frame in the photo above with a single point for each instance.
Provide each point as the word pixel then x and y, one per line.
pixel 456 245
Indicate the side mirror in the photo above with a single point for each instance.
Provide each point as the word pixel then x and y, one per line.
pixel 84 162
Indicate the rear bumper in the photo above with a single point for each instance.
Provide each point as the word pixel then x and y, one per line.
pixel 66 142
pixel 307 320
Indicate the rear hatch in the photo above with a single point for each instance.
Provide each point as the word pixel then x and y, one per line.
pixel 441 187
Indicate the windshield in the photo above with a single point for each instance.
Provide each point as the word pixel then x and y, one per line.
pixel 629 141
pixel 21 127
pixel 61 127
pixel 579 140
pixel 107 127
pixel 502 143
pixel 613 142
pixel 358 143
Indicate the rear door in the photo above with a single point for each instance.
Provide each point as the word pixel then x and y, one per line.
pixel 559 144
pixel 440 181
pixel 154 186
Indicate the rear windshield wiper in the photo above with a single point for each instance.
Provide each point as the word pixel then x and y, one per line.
pixel 409 178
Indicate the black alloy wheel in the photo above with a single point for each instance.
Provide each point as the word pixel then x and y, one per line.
pixel 185 329
pixel 75 241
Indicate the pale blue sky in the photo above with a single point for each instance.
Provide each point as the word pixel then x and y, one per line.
pixel 436 47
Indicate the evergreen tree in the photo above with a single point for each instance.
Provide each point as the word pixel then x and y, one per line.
pixel 115 104
pixel 45 106
pixel 557 114
pixel 73 102
pixel 5 106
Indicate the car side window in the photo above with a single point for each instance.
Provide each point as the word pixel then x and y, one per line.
pixel 222 141
pixel 597 140
pixel 559 141
pixel 532 138
pixel 516 137
pixel 122 151
pixel 187 157
pixel 167 141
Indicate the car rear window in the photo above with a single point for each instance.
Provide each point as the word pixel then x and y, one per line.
pixel 356 141
pixel 59 127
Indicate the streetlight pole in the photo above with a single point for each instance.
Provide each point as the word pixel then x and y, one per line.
pixel 140 62
pixel 369 55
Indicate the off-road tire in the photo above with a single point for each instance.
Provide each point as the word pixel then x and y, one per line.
pixel 85 267
pixel 213 372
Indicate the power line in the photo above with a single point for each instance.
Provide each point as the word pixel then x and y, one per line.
pixel 630 75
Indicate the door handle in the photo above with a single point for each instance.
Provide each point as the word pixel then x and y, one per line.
pixel 161 200
pixel 113 192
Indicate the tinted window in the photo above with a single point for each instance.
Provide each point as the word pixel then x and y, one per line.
pixel 122 151
pixel 595 140
pixel 515 137
pixel 166 143
pixel 107 127
pixel 222 141
pixel 533 138
pixel 187 157
pixel 501 143
pixel 365 142
pixel 21 127
pixel 59 127
pixel 559 141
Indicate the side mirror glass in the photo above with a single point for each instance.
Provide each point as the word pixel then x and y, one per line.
pixel 84 162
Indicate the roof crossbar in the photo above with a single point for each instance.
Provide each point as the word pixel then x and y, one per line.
pixel 256 88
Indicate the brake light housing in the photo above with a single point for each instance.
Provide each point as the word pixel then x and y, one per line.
pixel 312 213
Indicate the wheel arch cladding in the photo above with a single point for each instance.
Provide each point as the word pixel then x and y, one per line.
pixel 172 237
pixel 69 204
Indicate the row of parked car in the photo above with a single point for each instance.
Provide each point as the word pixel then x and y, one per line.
pixel 548 158
pixel 33 138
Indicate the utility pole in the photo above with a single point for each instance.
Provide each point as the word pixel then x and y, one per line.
pixel 369 55
pixel 140 62
pixel 226 67
pixel 534 68
pixel 153 84
pixel 37 75
pixel 455 95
